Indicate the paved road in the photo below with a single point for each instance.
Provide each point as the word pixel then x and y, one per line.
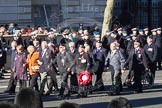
pixel 151 98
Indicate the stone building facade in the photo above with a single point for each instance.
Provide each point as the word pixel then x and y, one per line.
pixel 60 13
pixel 18 11
pixel 28 12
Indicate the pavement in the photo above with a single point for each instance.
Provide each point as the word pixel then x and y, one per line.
pixel 150 98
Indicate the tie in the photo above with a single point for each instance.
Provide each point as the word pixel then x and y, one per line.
pixel 97 52
pixel 42 53
pixel 136 51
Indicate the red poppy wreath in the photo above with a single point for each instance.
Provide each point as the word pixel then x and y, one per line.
pixel 84 78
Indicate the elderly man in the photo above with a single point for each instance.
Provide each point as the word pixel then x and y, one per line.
pixel 82 63
pixel 63 60
pixel 138 63
pixel 115 61
pixel 43 61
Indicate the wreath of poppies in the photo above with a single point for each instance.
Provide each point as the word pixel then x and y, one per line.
pixel 84 78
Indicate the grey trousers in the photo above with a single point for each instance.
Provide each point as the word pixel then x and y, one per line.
pixel 43 84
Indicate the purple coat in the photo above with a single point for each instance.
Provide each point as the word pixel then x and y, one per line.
pixel 20 73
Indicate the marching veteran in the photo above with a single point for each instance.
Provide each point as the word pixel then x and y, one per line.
pixel 33 66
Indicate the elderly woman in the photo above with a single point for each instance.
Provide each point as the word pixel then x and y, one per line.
pixel 33 66
pixel 19 67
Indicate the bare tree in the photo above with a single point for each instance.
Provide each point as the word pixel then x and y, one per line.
pixel 108 14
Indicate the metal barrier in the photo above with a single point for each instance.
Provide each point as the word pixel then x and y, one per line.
pixel 9 38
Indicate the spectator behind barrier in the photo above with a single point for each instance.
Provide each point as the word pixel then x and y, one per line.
pixel 120 102
pixel 28 98
pixel 7 105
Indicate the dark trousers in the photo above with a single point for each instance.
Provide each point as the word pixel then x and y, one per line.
pixel 33 81
pixel 53 81
pixel 22 84
pixel 138 70
pixel 159 58
pixel 12 83
pixel 152 67
pixel 73 80
pixel 99 79
pixel 82 91
pixel 64 84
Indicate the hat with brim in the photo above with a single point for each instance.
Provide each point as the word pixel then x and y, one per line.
pixel 146 29
pixel 153 30
pixel 134 29
pixel 119 29
pixel 159 29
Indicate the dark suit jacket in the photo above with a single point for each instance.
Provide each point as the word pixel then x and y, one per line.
pixel 45 59
pixel 100 56
pixel 151 52
pixel 79 65
pixel 63 61
pixel 73 54
pixel 131 57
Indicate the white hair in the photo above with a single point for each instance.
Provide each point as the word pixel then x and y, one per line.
pixel 71 44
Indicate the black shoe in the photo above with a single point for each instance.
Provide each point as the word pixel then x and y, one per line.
pixel 46 93
pixel 116 93
pixel 139 91
pixel 110 93
pixel 84 94
pixel 121 87
pixel 78 96
pixel 41 94
pixel 102 88
pixel 66 96
pixel 6 91
pixel 11 93
pixel 90 92
pixel 60 97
